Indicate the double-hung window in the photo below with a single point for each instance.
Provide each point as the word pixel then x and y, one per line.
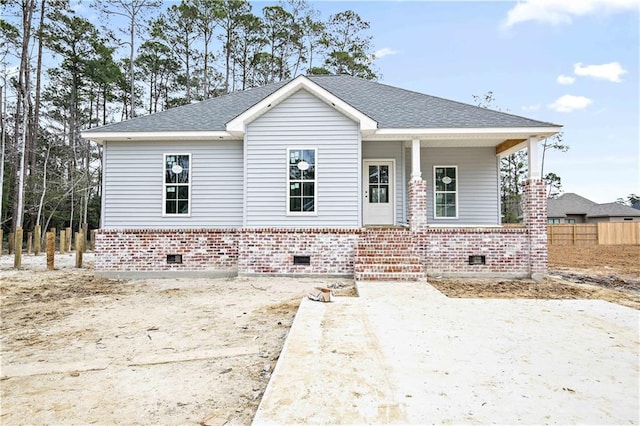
pixel 301 181
pixel 445 180
pixel 177 184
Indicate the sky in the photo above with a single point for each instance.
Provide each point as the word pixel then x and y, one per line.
pixel 568 62
pixel 573 63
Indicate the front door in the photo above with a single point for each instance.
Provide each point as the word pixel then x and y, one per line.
pixel 378 201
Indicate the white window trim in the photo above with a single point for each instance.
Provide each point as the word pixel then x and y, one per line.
pixel 315 183
pixel 435 210
pixel 164 186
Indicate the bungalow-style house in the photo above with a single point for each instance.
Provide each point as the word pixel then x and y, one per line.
pixel 572 208
pixel 319 175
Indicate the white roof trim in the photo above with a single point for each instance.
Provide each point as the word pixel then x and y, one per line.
pixel 157 136
pixel 462 133
pixel 238 124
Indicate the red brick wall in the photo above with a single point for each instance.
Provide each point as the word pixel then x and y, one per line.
pixel 147 249
pixel 271 250
pixel 417 209
pixel 447 250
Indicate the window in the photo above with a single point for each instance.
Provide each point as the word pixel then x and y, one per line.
pixel 554 221
pixel 177 184
pixel 569 221
pixel 445 192
pixel 301 196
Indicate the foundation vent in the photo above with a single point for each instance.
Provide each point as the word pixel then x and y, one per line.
pixel 174 259
pixel 477 260
pixel 302 260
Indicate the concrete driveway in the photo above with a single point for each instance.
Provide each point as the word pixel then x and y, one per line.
pixel 404 353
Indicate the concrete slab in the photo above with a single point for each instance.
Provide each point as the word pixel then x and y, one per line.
pixel 404 353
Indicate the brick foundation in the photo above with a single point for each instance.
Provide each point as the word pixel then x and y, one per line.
pixel 141 250
pixel 446 251
pixel 271 251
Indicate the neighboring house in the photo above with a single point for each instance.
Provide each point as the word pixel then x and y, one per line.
pixel 321 175
pixel 572 208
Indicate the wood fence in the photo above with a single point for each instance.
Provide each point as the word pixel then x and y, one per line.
pixel 585 234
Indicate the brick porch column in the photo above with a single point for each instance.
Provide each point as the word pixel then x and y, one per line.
pixel 535 220
pixel 417 211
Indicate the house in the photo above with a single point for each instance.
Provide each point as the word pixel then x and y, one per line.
pixel 572 208
pixel 319 175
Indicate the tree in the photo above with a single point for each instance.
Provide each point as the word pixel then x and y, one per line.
pixel 554 185
pixel 207 14
pixel 133 11
pixel 348 46
pixel 631 200
pixel 232 13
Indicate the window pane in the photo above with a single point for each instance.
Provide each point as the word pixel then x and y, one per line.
pixel 308 204
pixel 373 194
pixel 373 174
pixel 170 207
pixel 294 156
pixel 183 207
pixel 183 192
pixel 309 174
pixel 171 192
pixel 294 189
pixel 295 173
pixel 383 194
pixel 309 156
pixel 384 174
pixel 295 204
pixel 308 189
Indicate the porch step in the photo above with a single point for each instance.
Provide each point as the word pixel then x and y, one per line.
pixel 387 255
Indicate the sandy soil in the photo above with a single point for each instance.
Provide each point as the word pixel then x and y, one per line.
pixel 80 349
pixel 85 350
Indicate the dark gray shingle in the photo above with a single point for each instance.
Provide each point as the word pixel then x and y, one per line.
pixel 390 106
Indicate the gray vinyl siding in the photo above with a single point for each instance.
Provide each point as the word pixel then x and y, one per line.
pixel 133 184
pixel 302 121
pixel 478 194
pixel 391 150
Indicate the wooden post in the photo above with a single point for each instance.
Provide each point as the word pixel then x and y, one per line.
pixel 29 242
pixel 50 238
pixel 17 260
pixel 11 241
pixel 68 236
pixel 63 241
pixel 574 235
pixel 37 240
pixel 85 234
pixel 79 244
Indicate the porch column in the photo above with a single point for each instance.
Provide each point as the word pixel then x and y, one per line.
pixel 417 192
pixel 535 220
pixel 416 173
pixel 533 158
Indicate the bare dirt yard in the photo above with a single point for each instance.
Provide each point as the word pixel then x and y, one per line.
pixel 79 349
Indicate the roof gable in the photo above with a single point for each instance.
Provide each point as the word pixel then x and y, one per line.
pixel 237 125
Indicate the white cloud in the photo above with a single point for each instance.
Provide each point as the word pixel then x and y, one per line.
pixel 565 79
pixel 562 11
pixel 568 103
pixel 530 108
pixel 385 51
pixel 610 72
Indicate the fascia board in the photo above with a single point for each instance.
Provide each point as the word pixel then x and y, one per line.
pixel 239 123
pixel 157 136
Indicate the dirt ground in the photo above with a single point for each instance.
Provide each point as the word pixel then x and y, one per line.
pixel 78 349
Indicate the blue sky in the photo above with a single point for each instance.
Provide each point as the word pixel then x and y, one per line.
pixel 573 63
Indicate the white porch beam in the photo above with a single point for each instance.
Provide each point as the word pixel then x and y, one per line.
pixel 416 173
pixel 532 158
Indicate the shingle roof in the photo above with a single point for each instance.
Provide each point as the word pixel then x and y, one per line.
pixel 571 203
pixel 390 107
